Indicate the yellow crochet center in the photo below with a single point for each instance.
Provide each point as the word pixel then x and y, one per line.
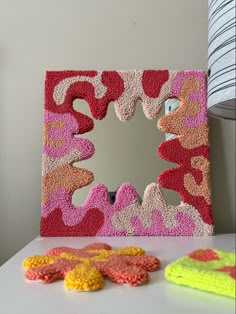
pixel 130 251
pixel 102 254
pixel 70 256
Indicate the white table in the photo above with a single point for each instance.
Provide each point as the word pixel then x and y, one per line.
pixel 18 296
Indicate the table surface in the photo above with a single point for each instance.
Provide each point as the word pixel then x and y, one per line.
pixel 158 296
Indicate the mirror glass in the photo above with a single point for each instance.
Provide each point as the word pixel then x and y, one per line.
pixel 125 151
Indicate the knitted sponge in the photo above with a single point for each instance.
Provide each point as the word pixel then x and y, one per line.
pixel 205 269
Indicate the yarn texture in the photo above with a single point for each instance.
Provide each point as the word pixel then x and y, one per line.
pixel 211 270
pixel 127 215
pixel 85 269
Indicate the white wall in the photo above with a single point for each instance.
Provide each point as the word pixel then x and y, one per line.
pixel 75 34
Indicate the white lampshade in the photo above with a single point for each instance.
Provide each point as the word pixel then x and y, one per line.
pixel 222 58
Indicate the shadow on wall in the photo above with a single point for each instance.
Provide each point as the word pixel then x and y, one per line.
pixel 222 150
pixel 1 154
pixel 19 179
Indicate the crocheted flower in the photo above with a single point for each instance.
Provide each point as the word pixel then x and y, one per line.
pixel 204 255
pixel 231 270
pixel 84 269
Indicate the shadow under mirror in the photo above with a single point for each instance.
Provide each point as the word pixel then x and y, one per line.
pixel 125 152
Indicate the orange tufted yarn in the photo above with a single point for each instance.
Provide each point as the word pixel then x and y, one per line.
pixel 84 269
pixel 131 270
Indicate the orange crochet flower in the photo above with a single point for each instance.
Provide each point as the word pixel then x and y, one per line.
pixel 84 269
pixel 204 255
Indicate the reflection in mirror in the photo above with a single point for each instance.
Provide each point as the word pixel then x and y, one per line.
pixel 124 152
pixel 171 105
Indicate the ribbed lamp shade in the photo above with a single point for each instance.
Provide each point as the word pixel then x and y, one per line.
pixel 222 58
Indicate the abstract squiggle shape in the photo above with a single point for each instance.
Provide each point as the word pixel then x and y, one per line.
pixel 134 83
pixel 60 128
pixel 155 217
pixel 91 223
pixel 151 86
pixel 109 80
pixel 189 121
pixel 202 189
pixel 190 87
pixel 52 79
pixel 152 214
pixel 57 166
pixel 97 198
pixel 185 226
pixel 61 88
pixel 65 176
pixel 173 178
pixel 51 163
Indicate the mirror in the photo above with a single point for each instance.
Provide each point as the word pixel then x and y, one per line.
pixel 124 151
pixel 115 191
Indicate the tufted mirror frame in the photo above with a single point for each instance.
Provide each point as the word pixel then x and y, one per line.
pixel 128 215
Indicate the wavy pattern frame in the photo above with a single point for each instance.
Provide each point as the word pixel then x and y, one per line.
pixel 127 216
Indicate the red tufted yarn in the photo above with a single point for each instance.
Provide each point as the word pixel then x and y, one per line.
pixel 173 178
pixel 153 81
pixel 131 270
pixel 53 225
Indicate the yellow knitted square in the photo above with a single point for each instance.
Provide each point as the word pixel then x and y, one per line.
pixel 206 269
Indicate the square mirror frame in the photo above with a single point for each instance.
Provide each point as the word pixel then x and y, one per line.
pixel 128 215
